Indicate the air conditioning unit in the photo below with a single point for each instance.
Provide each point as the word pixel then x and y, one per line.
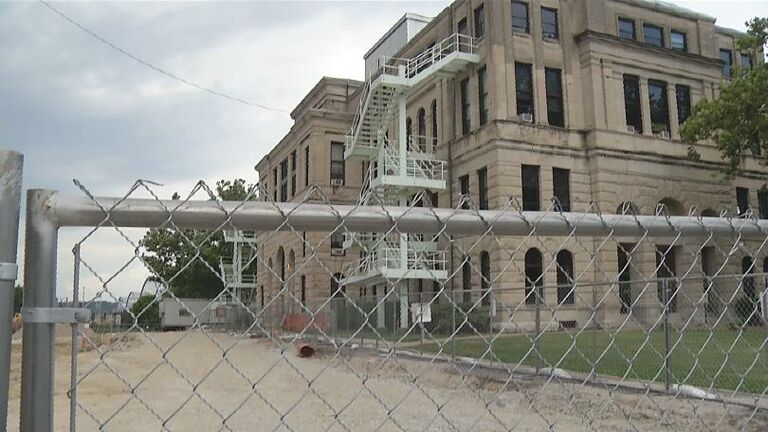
pixel 664 134
pixel 550 36
pixel 337 182
pixel 631 129
pixel 527 117
pixel 337 252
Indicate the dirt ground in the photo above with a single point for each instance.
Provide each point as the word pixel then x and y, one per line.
pixel 259 386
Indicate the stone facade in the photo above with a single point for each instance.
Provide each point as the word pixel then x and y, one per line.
pixel 608 165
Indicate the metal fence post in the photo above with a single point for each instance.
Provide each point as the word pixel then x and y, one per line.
pixel 11 170
pixel 39 292
pixel 75 330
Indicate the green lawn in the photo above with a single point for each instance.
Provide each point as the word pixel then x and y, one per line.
pixel 728 360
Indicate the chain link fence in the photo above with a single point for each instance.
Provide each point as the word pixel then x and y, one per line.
pixel 476 320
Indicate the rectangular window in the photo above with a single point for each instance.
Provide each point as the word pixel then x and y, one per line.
pixel 461 28
pixel 554 86
pixel 303 290
pixel 520 21
pixel 465 106
pixel 627 29
pixel 549 25
pixel 482 88
pixel 337 239
pixel 433 200
pixel 337 161
pixel 274 187
pixel 303 243
pixel 653 35
pixel 524 88
pixel 678 40
pixel 464 191
pixel 284 180
pixel 306 166
pixel 746 60
pixel 657 100
pixel 561 182
pixel 727 57
pixel 742 200
pixel 625 276
pixel 293 173
pixel 683 97
pixel 530 181
pixel 482 186
pixel 480 21
pixel 632 109
pixel 762 203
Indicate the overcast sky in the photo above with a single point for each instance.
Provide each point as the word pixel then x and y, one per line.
pixel 79 109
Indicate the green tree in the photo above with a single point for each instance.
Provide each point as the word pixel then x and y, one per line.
pixel 18 299
pixel 737 120
pixel 149 318
pixel 188 260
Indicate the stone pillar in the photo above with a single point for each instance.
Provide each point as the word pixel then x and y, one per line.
pixel 645 107
pixel 674 127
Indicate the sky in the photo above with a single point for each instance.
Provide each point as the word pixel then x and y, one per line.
pixel 78 109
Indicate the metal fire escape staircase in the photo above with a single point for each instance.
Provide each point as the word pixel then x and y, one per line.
pixel 398 169
pixel 240 281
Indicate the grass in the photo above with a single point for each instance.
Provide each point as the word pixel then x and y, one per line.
pixel 722 359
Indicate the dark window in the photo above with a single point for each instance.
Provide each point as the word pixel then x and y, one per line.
pixel 303 290
pixel 748 281
pixel 408 132
pixel 561 179
pixel 466 280
pixel 627 29
pixel 434 122
pixel 632 109
pixel 480 21
pixel 653 34
pixel 337 162
pixel 274 188
pixel 554 85
pixel 464 190
pixel 337 239
pixel 482 89
pixel 520 21
pixel 421 119
pixel 565 277
pixel 530 180
pixel 303 243
pixel 485 277
pixel 482 186
pixel 549 27
pixel 683 97
pixel 337 291
pixel 465 106
pixel 742 200
pixel 306 166
pixel 462 27
pixel 625 277
pixel 433 200
pixel 533 276
pixel 678 40
pixel 293 173
pixel 762 203
pixel 657 99
pixel 746 60
pixel 524 88
pixel 727 57
pixel 665 272
pixel 284 180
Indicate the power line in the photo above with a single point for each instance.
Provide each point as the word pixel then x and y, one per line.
pixel 157 68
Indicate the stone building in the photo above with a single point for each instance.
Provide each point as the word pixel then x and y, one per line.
pixel 572 105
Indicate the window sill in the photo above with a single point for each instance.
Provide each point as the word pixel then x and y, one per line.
pixel 521 33
pixel 553 41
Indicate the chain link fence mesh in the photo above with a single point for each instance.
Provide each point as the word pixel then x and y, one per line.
pixel 498 332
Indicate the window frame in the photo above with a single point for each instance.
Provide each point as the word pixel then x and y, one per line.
pixel 533 261
pixel 685 102
pixel 531 194
pixel 466 279
pixel 727 70
pixel 742 201
pixel 485 277
pixel 464 191
pixel 466 123
pixel 651 26
pixel 562 203
pixel 306 166
pixel 621 20
pixel 672 33
pixel 664 97
pixel 482 188
pixel 633 113
pixel 527 28
pixel 483 97
pixel 565 280
pixel 544 34
pixel 338 163
pixel 525 94
pixel 479 21
pixel 554 117
pixel 762 203
pixel 293 173
pixel 462 27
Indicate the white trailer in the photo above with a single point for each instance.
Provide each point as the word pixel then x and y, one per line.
pixel 180 313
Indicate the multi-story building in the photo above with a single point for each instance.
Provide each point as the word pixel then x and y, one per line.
pixel 566 105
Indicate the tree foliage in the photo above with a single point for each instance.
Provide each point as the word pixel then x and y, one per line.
pixel 149 318
pixel 737 120
pixel 188 260
pixel 18 299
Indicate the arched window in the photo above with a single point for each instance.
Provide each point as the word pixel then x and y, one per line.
pixel 623 251
pixel 533 276
pixel 434 122
pixel 485 277
pixel 408 132
pixel 748 281
pixel 280 259
pixel 666 288
pixel 422 124
pixel 670 207
pixel 709 213
pixel 627 208
pixel 565 277
pixel 466 280
pixel 337 289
